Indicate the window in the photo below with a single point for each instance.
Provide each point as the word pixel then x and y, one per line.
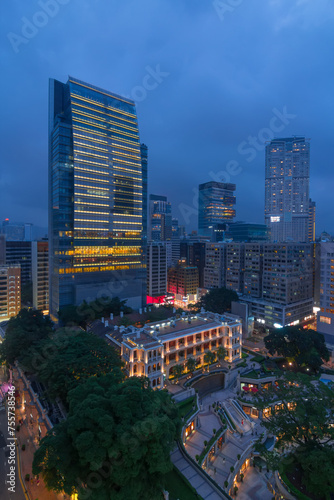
pixel 324 319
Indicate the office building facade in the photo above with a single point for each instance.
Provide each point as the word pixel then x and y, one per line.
pixel 156 272
pixel 19 252
pixel 40 275
pixel 287 178
pixel 95 196
pixel 160 218
pixel 216 205
pixel 311 221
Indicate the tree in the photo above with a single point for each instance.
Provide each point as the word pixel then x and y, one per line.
pixel 217 300
pixel 191 365
pixel 178 371
pixel 25 330
pixel 301 416
pixel 69 357
pixel 209 357
pixel 306 348
pixel 27 293
pixel 96 309
pixel 221 353
pixel 115 443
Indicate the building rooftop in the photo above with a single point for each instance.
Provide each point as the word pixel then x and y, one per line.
pixel 154 334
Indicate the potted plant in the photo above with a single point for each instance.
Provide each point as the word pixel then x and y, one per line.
pixel 226 484
pixel 236 490
pixel 214 431
pixel 197 458
pixel 232 468
pixel 205 443
pixel 238 456
pixel 242 477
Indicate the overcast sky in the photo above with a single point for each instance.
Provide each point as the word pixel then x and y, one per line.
pixel 212 80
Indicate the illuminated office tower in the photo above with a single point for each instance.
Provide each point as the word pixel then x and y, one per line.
pixel 287 189
pixel 95 196
pixel 216 202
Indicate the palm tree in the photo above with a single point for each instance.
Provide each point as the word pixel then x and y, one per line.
pixel 177 371
pixel 191 365
pixel 209 357
pixel 221 353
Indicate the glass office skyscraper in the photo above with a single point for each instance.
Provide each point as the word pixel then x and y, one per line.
pixel 95 196
pixel 216 202
pixel 287 189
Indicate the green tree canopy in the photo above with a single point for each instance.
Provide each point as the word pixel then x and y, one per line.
pixel 178 371
pixel 304 411
pixel 68 358
pixel 302 415
pixel 305 347
pixel 191 364
pixel 221 352
pixel 217 300
pixel 98 308
pixel 210 357
pixel 115 443
pixel 27 329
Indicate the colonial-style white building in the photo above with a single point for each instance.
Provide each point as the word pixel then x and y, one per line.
pixel 153 351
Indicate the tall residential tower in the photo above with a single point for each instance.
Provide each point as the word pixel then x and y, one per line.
pixel 95 196
pixel 287 189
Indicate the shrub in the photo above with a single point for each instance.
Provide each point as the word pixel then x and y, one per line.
pixel 238 456
pixel 23 447
pixel 214 431
pixel 232 468
pixel 27 477
pixel 226 484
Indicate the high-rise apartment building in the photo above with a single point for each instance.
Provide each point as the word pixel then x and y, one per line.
pixel 216 202
pixel 10 291
pixel 287 172
pixel 96 181
pixel 40 275
pixel 325 269
pixel 275 279
pixel 215 265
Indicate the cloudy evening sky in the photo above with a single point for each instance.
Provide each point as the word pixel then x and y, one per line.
pixel 212 80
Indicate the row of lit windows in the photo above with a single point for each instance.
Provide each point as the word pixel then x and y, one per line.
pixel 97 103
pixel 73 270
pixel 93 107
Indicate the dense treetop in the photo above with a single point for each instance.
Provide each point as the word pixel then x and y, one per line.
pixel 217 300
pixel 305 347
pixel 115 443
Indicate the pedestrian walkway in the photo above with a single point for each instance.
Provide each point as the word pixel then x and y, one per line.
pixel 35 487
pixel 202 485
pixel 253 487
